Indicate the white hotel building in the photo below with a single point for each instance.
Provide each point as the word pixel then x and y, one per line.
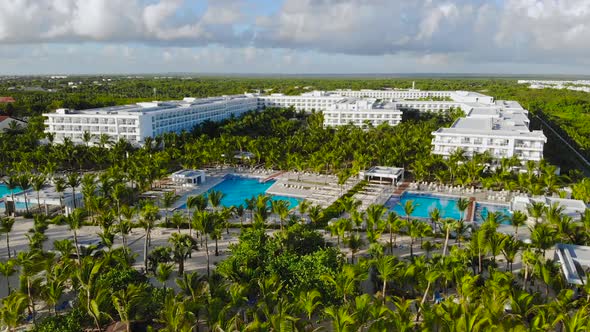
pixel 359 112
pixel 413 94
pixel 315 100
pixel 501 128
pixel 136 122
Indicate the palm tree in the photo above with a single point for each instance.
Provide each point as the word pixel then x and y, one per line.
pixel 354 242
pixel 342 321
pixel 12 183
pixel 8 269
pixel 434 217
pixel 117 194
pixel 74 222
pixel 215 197
pixel 87 137
pixel 175 315
pixel 128 301
pixel 240 213
pixel 509 247
pixel 308 301
pixel 414 230
pixel 31 264
pixel 447 225
pixel 199 203
pixel 38 182
pixel 54 287
pixel 60 188
pixel 178 220
pixel 163 272
pixel 281 208
pixel 73 181
pixel 388 268
pixel 250 205
pixel 169 198
pixel 182 245
pixel 24 182
pixel 349 204
pixel 12 310
pixel 149 216
pixel 6 224
pixel 409 208
pixel 345 281
pixel 518 219
pixel 543 237
pixel 463 205
pixel 431 275
pixel 536 210
pixel 315 214
pixel 374 214
pixel 126 224
pixel 394 224
pixel 303 206
pixel 207 223
pixel 529 259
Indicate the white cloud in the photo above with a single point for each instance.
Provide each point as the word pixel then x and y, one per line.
pixel 431 32
pixel 31 21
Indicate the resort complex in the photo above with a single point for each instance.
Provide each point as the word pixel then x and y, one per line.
pixel 136 122
pixel 402 210
pixel 499 127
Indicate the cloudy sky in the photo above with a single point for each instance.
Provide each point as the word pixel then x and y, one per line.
pixel 295 36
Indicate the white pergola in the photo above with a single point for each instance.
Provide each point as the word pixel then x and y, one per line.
pixel 395 174
pixel 47 197
pixel 189 177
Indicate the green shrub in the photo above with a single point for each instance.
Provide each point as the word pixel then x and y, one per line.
pixel 73 321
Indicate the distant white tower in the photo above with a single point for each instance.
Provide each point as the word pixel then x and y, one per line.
pixel 413 85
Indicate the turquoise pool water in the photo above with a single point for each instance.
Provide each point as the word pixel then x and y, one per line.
pixel 237 189
pixel 5 192
pixel 482 209
pixel 424 204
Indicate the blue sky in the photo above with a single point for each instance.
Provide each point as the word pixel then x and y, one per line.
pixel 295 36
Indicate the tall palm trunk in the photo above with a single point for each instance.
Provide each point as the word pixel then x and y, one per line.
pixel 145 249
pixel 31 301
pixel 13 202
pixel 423 300
pixel 207 252
pixel 8 244
pixel 526 277
pixel 77 246
pixel 446 241
pixel 390 240
pixel 26 202
pixel 38 202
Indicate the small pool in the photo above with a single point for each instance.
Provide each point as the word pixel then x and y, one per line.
pixel 482 210
pixel 237 189
pixel 424 204
pixel 4 191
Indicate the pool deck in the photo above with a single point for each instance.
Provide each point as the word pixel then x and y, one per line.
pixel 318 189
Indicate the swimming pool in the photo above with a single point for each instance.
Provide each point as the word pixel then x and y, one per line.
pixel 4 191
pixel 424 204
pixel 482 209
pixel 237 189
